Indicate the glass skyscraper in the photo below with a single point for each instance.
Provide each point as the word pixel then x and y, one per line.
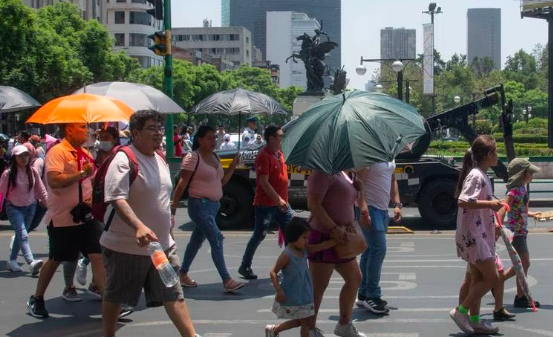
pixel 252 15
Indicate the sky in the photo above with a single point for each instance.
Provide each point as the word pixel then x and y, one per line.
pixel 363 19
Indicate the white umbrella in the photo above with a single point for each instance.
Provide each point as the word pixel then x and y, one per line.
pixel 13 99
pixel 136 96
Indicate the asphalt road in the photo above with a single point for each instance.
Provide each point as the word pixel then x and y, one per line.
pixel 420 280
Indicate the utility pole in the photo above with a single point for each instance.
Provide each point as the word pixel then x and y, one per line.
pixel 432 10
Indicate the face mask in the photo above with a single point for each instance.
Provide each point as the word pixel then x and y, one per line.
pixel 105 145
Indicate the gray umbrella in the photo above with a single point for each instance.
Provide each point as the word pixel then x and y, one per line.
pixel 13 99
pixel 237 102
pixel 136 96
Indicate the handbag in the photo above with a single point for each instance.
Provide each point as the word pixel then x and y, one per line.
pixel 355 244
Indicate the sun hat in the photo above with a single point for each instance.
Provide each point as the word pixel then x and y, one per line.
pixel 516 170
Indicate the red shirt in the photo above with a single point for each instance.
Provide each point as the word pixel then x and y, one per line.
pixel 272 165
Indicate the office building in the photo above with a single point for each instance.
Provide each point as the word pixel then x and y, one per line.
pixel 251 14
pixel 90 8
pixel 230 43
pixel 282 30
pixel 484 34
pixel 398 43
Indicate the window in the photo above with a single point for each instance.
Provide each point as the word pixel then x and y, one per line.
pixel 216 37
pixel 144 61
pixel 119 40
pixel 138 40
pixel 247 53
pixel 247 39
pixel 234 37
pixel 120 17
pixel 139 1
pixel 139 18
pixel 120 0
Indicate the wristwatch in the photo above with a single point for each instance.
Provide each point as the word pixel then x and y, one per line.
pixel 83 174
pixel 398 205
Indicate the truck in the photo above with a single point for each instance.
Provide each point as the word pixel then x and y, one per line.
pixel 429 182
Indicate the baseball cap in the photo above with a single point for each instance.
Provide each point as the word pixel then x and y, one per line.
pixel 251 119
pixel 19 149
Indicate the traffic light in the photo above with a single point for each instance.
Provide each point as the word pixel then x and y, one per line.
pixel 162 43
pixel 157 11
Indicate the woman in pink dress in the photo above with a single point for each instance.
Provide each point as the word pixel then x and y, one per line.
pixel 475 236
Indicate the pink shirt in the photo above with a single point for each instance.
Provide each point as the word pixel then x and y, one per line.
pixel 339 197
pixel 20 195
pixel 62 158
pixel 207 181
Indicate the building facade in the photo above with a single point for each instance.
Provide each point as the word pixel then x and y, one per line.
pixel 252 15
pixel 130 26
pixel 484 34
pixel 282 30
pixel 91 9
pixel 230 43
pixel 398 43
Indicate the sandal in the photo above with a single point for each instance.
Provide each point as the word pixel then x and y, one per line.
pixel 187 282
pixel 232 285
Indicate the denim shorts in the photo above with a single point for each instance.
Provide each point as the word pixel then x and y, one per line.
pixel 520 244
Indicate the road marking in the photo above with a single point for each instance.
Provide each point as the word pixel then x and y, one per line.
pixel 258 322
pixel 217 334
pixel 536 331
pixel 336 310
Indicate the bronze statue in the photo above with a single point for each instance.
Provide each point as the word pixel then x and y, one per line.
pixel 312 54
pixel 340 81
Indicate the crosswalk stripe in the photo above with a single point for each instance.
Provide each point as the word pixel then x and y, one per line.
pixel 217 334
pixel 394 310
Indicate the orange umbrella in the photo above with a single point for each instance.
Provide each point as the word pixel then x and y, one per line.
pixel 82 108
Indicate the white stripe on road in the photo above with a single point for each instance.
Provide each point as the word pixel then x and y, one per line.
pixel 332 311
pixel 217 334
pixel 258 322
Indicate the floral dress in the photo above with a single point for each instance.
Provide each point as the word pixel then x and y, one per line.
pixel 475 236
pixel 298 289
pixel 517 217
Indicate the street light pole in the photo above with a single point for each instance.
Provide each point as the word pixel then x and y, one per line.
pixel 397 66
pixel 432 10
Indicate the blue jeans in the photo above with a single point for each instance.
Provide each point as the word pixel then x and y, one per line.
pixel 373 257
pixel 261 227
pixel 203 212
pixel 20 219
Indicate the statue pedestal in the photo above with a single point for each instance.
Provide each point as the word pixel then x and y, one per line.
pixel 303 102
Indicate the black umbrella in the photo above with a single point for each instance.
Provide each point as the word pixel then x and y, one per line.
pixel 13 99
pixel 238 102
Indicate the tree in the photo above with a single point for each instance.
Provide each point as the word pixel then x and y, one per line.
pixel 482 66
pixel 523 68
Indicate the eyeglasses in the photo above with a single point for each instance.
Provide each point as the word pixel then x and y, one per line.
pixel 155 128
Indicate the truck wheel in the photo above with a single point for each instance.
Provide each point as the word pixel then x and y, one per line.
pixel 236 206
pixel 438 205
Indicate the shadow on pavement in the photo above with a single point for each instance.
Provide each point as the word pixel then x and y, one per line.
pixel 214 291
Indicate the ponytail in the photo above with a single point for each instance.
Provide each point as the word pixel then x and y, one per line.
pixel 468 164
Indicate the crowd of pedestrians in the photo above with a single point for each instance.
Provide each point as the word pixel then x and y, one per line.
pixel 62 181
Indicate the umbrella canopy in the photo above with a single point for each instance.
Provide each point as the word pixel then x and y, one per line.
pixel 351 130
pixel 136 96
pixel 82 108
pixel 13 99
pixel 238 101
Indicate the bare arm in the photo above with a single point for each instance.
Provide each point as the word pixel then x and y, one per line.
pixel 495 205
pixel 230 171
pixel 394 191
pixel 282 261
pixel 501 213
pixel 315 206
pixel 61 180
pixel 320 246
pixel 144 235
pixel 184 179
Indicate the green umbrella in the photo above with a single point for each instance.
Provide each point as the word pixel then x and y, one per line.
pixel 351 130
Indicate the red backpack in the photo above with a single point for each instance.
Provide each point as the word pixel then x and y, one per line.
pixel 99 207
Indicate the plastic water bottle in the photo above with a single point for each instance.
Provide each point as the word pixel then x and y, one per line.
pixel 166 271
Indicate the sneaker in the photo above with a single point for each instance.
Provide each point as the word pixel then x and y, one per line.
pixel 81 272
pixel 126 310
pixel 14 266
pixel 36 307
pixel 247 273
pixel 347 330
pixel 71 295
pixel 522 302
pixel 35 266
pixel 502 315
pixel 361 299
pixel 376 306
pixel 316 332
pixel 94 291
pixel 462 321
pixel 270 331
pixel 483 328
pixel 232 285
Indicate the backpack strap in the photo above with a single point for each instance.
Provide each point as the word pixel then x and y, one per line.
pixel 133 174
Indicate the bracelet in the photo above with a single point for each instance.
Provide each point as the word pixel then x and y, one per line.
pixel 398 205
pixel 365 213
